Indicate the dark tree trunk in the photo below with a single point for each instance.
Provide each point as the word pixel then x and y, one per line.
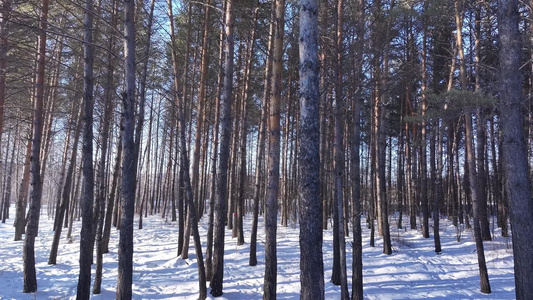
pixel 200 108
pixel 66 193
pixel 5 15
pixel 517 183
pixel 212 193
pixel 261 145
pixel 86 237
pixel 20 218
pixel 111 198
pixel 339 267
pixel 357 262
pixel 102 183
pixel 125 247
pixel 28 252
pixel 436 174
pixel 311 261
pixel 222 174
pixel 271 213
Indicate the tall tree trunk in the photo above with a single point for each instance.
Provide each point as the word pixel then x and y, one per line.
pixel 517 183
pixel 471 162
pixel 5 15
pixel 102 183
pixel 212 193
pixel 112 192
pixel 222 174
pixel 481 135
pixel 125 247
pixel 357 260
pixel 261 144
pixel 339 276
pixel 244 131
pixel 423 157
pixel 86 237
pixel 201 105
pixel 28 252
pixel 142 83
pixel 271 260
pixel 311 261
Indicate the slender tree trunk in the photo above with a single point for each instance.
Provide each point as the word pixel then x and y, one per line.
pixel 102 183
pixel 66 194
pixel 244 131
pixel 470 156
pixel 142 83
pixel 201 106
pixel 357 260
pixel 5 15
pixel 125 247
pixel 339 276
pixel 271 260
pixel 28 253
pixel 222 174
pixel 261 144
pixel 481 135
pixel 423 157
pixel 7 194
pixel 212 193
pixel 437 175
pixel 111 198
pixel 86 245
pixel 20 218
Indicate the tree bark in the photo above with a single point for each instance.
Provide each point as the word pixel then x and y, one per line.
pixel 517 183
pixel 28 252
pixel 471 161
pixel 222 174
pixel 261 144
pixel 311 261
pixel 86 245
pixel 125 247
pixel 271 213
pixel 209 251
pixel 102 183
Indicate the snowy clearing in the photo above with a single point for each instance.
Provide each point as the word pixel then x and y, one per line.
pixel 413 271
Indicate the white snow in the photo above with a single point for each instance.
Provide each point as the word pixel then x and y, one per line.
pixel 413 271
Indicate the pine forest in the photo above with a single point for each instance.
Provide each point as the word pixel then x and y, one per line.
pixel 248 149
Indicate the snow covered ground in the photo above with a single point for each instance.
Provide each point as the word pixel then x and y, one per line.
pixel 413 271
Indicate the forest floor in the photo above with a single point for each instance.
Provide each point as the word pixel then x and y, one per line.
pixel 413 271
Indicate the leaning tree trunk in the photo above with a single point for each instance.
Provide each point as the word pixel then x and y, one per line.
pixel 65 194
